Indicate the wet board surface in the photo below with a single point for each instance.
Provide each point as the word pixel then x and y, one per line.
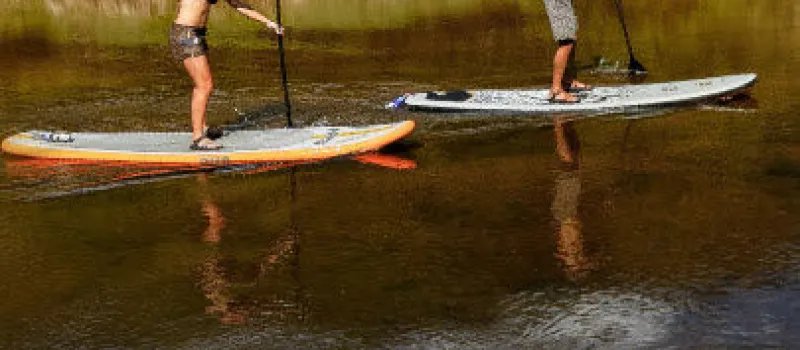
pixel 239 146
pixel 624 98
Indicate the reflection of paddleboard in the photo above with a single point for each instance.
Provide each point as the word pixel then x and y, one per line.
pixel 386 161
pixel 40 178
pixel 240 146
pixel 626 98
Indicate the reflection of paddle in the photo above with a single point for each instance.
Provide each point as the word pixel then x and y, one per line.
pixel 634 67
pixel 283 68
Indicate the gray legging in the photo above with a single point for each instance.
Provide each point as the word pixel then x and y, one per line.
pixel 562 19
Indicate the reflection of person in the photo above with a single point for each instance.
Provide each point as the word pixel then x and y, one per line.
pixel 566 200
pixel 214 279
pixel 188 43
pixel 564 24
pixel 216 222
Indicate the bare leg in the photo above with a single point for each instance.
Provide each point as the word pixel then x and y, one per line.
pixel 560 62
pixel 200 72
pixel 570 77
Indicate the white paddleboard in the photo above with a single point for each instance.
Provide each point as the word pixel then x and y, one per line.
pixel 626 98
pixel 244 146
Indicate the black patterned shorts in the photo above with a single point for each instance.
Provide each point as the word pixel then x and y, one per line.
pixel 187 41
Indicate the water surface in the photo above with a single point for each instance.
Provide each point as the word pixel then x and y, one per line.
pixel 677 228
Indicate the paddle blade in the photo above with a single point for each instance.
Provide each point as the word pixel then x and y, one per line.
pixel 214 132
pixel 636 68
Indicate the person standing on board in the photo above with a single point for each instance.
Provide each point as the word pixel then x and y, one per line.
pixel 188 44
pixel 564 24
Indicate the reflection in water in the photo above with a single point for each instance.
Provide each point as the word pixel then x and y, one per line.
pixel 216 222
pixel 268 297
pixel 36 179
pixel 31 179
pixel 216 282
pixel 213 282
pixel 704 200
pixel 566 200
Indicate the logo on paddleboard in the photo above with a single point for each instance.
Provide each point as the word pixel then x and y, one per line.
pixel 222 160
pixel 328 137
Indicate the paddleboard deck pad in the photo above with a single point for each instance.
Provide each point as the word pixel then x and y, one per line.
pixel 244 146
pixel 625 98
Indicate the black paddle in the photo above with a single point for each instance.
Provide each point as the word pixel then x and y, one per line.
pixel 283 68
pixel 634 67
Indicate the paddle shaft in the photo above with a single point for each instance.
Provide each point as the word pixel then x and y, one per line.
pixel 284 78
pixel 634 65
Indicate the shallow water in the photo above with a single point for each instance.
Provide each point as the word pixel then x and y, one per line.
pixel 675 229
